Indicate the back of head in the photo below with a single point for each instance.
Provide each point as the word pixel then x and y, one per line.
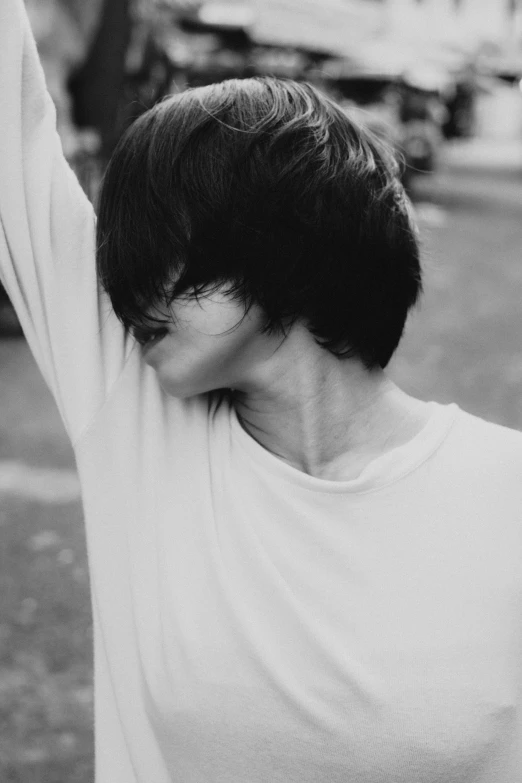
pixel 267 186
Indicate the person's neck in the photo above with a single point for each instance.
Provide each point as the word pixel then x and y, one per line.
pixel 328 418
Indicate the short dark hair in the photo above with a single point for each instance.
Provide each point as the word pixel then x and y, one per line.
pixel 268 186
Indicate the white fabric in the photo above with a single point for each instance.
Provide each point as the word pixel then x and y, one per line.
pixel 252 623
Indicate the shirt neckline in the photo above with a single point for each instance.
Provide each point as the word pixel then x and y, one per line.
pixel 381 472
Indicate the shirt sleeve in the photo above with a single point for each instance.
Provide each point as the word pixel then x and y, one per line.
pixel 47 239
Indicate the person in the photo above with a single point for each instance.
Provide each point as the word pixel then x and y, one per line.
pixel 298 571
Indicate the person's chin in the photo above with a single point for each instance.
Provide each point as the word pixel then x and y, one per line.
pixel 180 388
pixel 176 390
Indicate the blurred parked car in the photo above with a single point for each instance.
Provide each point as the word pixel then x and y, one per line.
pixel 461 105
pixel 370 96
pixel 423 113
pixel 403 109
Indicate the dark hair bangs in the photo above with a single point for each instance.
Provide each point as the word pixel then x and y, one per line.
pixel 147 255
pixel 132 255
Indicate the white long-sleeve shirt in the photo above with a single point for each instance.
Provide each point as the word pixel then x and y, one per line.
pixel 253 623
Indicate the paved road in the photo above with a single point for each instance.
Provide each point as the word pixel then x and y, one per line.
pixel 464 343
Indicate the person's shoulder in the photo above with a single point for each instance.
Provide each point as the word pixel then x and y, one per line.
pixel 482 460
pixel 487 440
pixel 485 426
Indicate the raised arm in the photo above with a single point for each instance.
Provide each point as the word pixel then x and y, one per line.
pixel 47 239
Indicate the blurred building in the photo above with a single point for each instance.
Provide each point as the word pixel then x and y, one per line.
pixel 337 26
pixel 468 22
pixel 483 37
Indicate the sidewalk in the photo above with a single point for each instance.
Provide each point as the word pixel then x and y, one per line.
pixel 483 153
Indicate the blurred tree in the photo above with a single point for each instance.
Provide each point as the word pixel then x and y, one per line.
pixel 96 85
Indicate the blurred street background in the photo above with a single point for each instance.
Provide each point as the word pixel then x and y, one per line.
pixel 442 81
